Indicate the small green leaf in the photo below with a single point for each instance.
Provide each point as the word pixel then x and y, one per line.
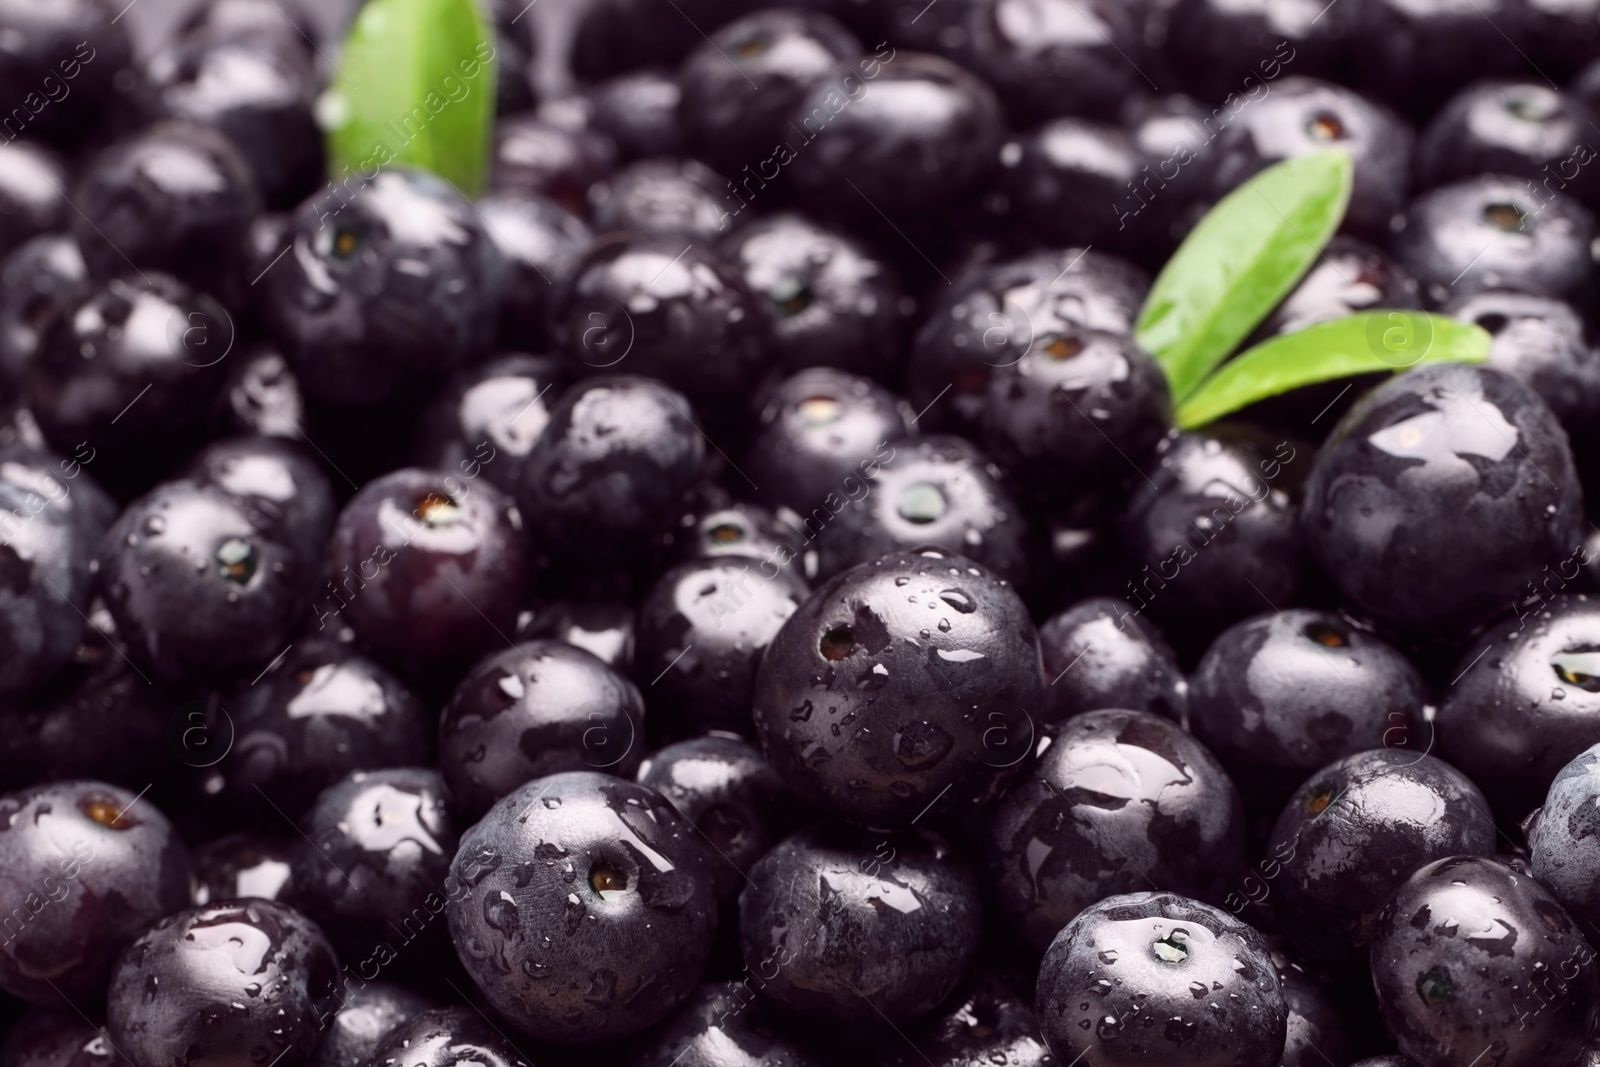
pixel 1237 263
pixel 1339 348
pixel 414 85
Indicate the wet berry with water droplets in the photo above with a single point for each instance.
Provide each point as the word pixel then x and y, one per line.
pixel 1154 977
pixel 532 710
pixel 393 826
pixel 228 981
pixel 897 682
pixel 906 905
pixel 89 866
pixel 582 906
pixel 1115 793
pixel 1469 953
pixel 1398 809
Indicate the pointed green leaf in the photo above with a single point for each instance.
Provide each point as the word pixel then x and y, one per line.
pixel 414 85
pixel 1243 257
pixel 1339 348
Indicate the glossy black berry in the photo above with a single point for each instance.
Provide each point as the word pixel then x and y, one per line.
pixel 1318 1018
pixel 702 630
pixel 1043 59
pixel 1397 810
pixel 367 1012
pixel 639 112
pixel 724 528
pixel 666 307
pixel 33 193
pixel 242 865
pixel 533 157
pixel 61 66
pixel 1429 454
pixel 1524 129
pixel 203 584
pixel 49 543
pixel 1074 410
pixel 1234 53
pixel 1348 278
pixel 427 568
pixel 740 84
pixel 1069 180
pixel 1172 134
pixel 1519 708
pixel 596 626
pixel 723 1023
pixel 582 906
pixel 486 421
pixel 1492 232
pixel 252 22
pixel 1417 55
pixel 678 198
pixel 1299 116
pixel 833 301
pixel 391 282
pixel 513 67
pixel 1213 526
pixel 446 1037
pixel 233 982
pixel 46 1037
pixel 730 792
pixel 616 457
pixel 1469 954
pixel 850 926
pixel 257 96
pixel 618 34
pixel 86 867
pixel 1561 38
pixel 371 863
pixel 898 680
pixel 1279 695
pixel 535 709
pixel 176 198
pixel 986 1020
pixel 1544 342
pixel 1099 653
pixel 1148 978
pixel 260 395
pixel 992 317
pixel 1562 840
pixel 1114 794
pixel 315 715
pixel 277 476
pixel 129 363
pixel 822 432
pixel 96 718
pixel 540 241
pixel 938 490
pixel 36 281
pixel 900 133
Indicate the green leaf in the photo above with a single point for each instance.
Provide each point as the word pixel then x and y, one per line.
pixel 414 85
pixel 1237 263
pixel 1339 348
